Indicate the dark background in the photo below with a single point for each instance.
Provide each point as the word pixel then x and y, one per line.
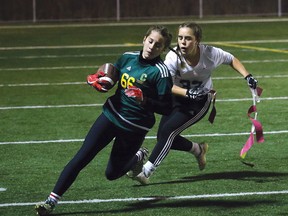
pixel 61 10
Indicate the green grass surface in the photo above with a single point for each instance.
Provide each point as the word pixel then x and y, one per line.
pixel 35 81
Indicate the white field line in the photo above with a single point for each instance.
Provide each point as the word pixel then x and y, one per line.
pixel 114 54
pixel 60 25
pixel 129 45
pixel 72 46
pixel 97 105
pixel 52 106
pixel 118 54
pixel 201 196
pixel 60 56
pixel 147 137
pixel 96 66
pixel 84 83
pixel 44 84
pixel 49 68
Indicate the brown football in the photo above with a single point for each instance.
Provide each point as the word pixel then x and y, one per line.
pixel 111 75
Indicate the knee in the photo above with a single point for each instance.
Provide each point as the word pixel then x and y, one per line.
pixel 111 175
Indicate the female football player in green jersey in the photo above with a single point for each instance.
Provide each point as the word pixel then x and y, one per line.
pixel 144 88
pixel 191 65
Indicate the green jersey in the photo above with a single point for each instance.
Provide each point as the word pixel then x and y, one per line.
pixel 152 77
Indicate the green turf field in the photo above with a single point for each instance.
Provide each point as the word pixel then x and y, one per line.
pixel 46 109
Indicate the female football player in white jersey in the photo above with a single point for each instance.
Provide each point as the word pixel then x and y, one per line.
pixel 191 65
pixel 144 88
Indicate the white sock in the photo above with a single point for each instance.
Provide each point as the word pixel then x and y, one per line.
pixel 195 149
pixel 54 198
pixel 148 169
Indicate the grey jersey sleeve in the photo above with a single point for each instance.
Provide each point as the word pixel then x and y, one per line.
pixel 217 55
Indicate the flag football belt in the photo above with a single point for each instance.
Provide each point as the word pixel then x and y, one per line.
pixel 213 111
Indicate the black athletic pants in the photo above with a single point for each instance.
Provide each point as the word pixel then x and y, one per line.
pixel 122 157
pixel 185 113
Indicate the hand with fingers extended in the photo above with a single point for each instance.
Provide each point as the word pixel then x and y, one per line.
pixel 133 91
pixel 251 81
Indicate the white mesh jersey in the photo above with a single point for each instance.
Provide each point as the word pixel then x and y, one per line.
pixel 200 75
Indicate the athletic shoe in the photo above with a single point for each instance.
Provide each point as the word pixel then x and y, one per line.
pixel 201 158
pixel 45 208
pixel 139 165
pixel 141 178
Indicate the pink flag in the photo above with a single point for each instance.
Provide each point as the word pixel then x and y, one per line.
pixel 247 146
pixel 256 126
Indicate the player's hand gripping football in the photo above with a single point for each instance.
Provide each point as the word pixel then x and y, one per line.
pixel 96 80
pixel 133 91
pixel 251 81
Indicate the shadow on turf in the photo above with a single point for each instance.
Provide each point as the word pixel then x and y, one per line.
pixel 258 177
pixel 156 204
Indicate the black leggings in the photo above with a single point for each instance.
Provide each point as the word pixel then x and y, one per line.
pixel 170 127
pixel 122 157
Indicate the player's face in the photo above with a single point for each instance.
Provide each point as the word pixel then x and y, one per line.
pixel 153 45
pixel 187 41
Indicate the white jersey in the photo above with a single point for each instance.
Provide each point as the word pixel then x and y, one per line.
pixel 200 75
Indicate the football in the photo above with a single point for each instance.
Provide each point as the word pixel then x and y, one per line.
pixel 111 75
